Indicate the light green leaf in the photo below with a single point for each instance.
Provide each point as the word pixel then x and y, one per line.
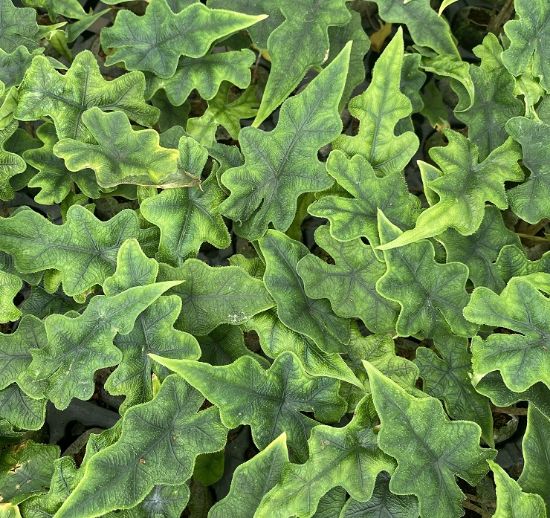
pixel 522 357
pixel 204 74
pixel 431 295
pixel 10 285
pixel 494 102
pixel 187 218
pixel 536 449
pixel 312 318
pixel 530 199
pixel 158 444
pixel 215 295
pixel 378 110
pixel 529 36
pixel 26 470
pixel 276 338
pixel 463 187
pixel 266 188
pixel 67 8
pixel 300 43
pixel 17 27
pixel 20 410
pixel 427 28
pixel 512 262
pixel 270 401
pixel 347 457
pixel 349 282
pixel 83 249
pixel 446 375
pixel 353 214
pixel 251 481
pixel 188 33
pixel 119 154
pixel 438 450
pixel 53 179
pixel 65 98
pixel 383 503
pixel 10 163
pixel 479 251
pixel 512 502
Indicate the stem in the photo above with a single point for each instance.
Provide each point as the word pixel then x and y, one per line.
pixel 510 410
pixel 538 239
pixel 502 17
pixel 475 508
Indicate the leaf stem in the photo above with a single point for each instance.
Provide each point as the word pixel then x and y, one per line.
pixel 510 410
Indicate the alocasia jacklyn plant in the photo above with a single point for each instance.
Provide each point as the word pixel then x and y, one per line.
pixel 274 258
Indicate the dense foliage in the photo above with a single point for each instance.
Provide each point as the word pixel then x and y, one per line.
pixel 275 258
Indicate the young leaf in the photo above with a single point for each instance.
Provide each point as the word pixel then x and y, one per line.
pixel 529 37
pixel 347 457
pixel 430 450
pixel 511 500
pixel 300 43
pixel 431 295
pixel 204 74
pixel 270 401
pixel 522 357
pixel 187 218
pixel 17 27
pixel 536 449
pixel 215 295
pixel 65 98
pixel 530 199
pixel 252 480
pixel 312 318
pixel 11 164
pixel 158 444
pixel 53 179
pixel 266 188
pixel 463 187
pixel 83 249
pixel 136 43
pixel 379 109
pixel 349 283
pixel 447 377
pixel 355 216
pixel 479 251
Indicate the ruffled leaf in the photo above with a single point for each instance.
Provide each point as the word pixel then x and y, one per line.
pixel 11 164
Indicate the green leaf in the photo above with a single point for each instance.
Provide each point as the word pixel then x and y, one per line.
pixel 430 450
pixel 479 251
pixel 349 283
pixel 13 65
pixel 251 481
pixel 353 214
pixel 10 285
pixel 153 331
pixel 64 98
pixel 512 502
pixel 383 503
pixel 270 401
pixel 431 295
pixel 215 295
pixel 67 8
pixel 274 167
pixel 53 179
pixel 529 36
pixel 347 457
pixel 446 375
pixel 312 318
pixel 20 410
pixel 83 249
pixel 379 109
pixel 17 27
pixel 158 444
pixel 10 163
pixel 464 186
pixel 204 74
pixel 26 470
pixel 427 28
pixel 536 471
pixel 494 102
pixel 521 357
pixel 300 43
pixel 189 33
pixel 530 199
pixel 187 218
pixel 512 262
pixel 276 338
